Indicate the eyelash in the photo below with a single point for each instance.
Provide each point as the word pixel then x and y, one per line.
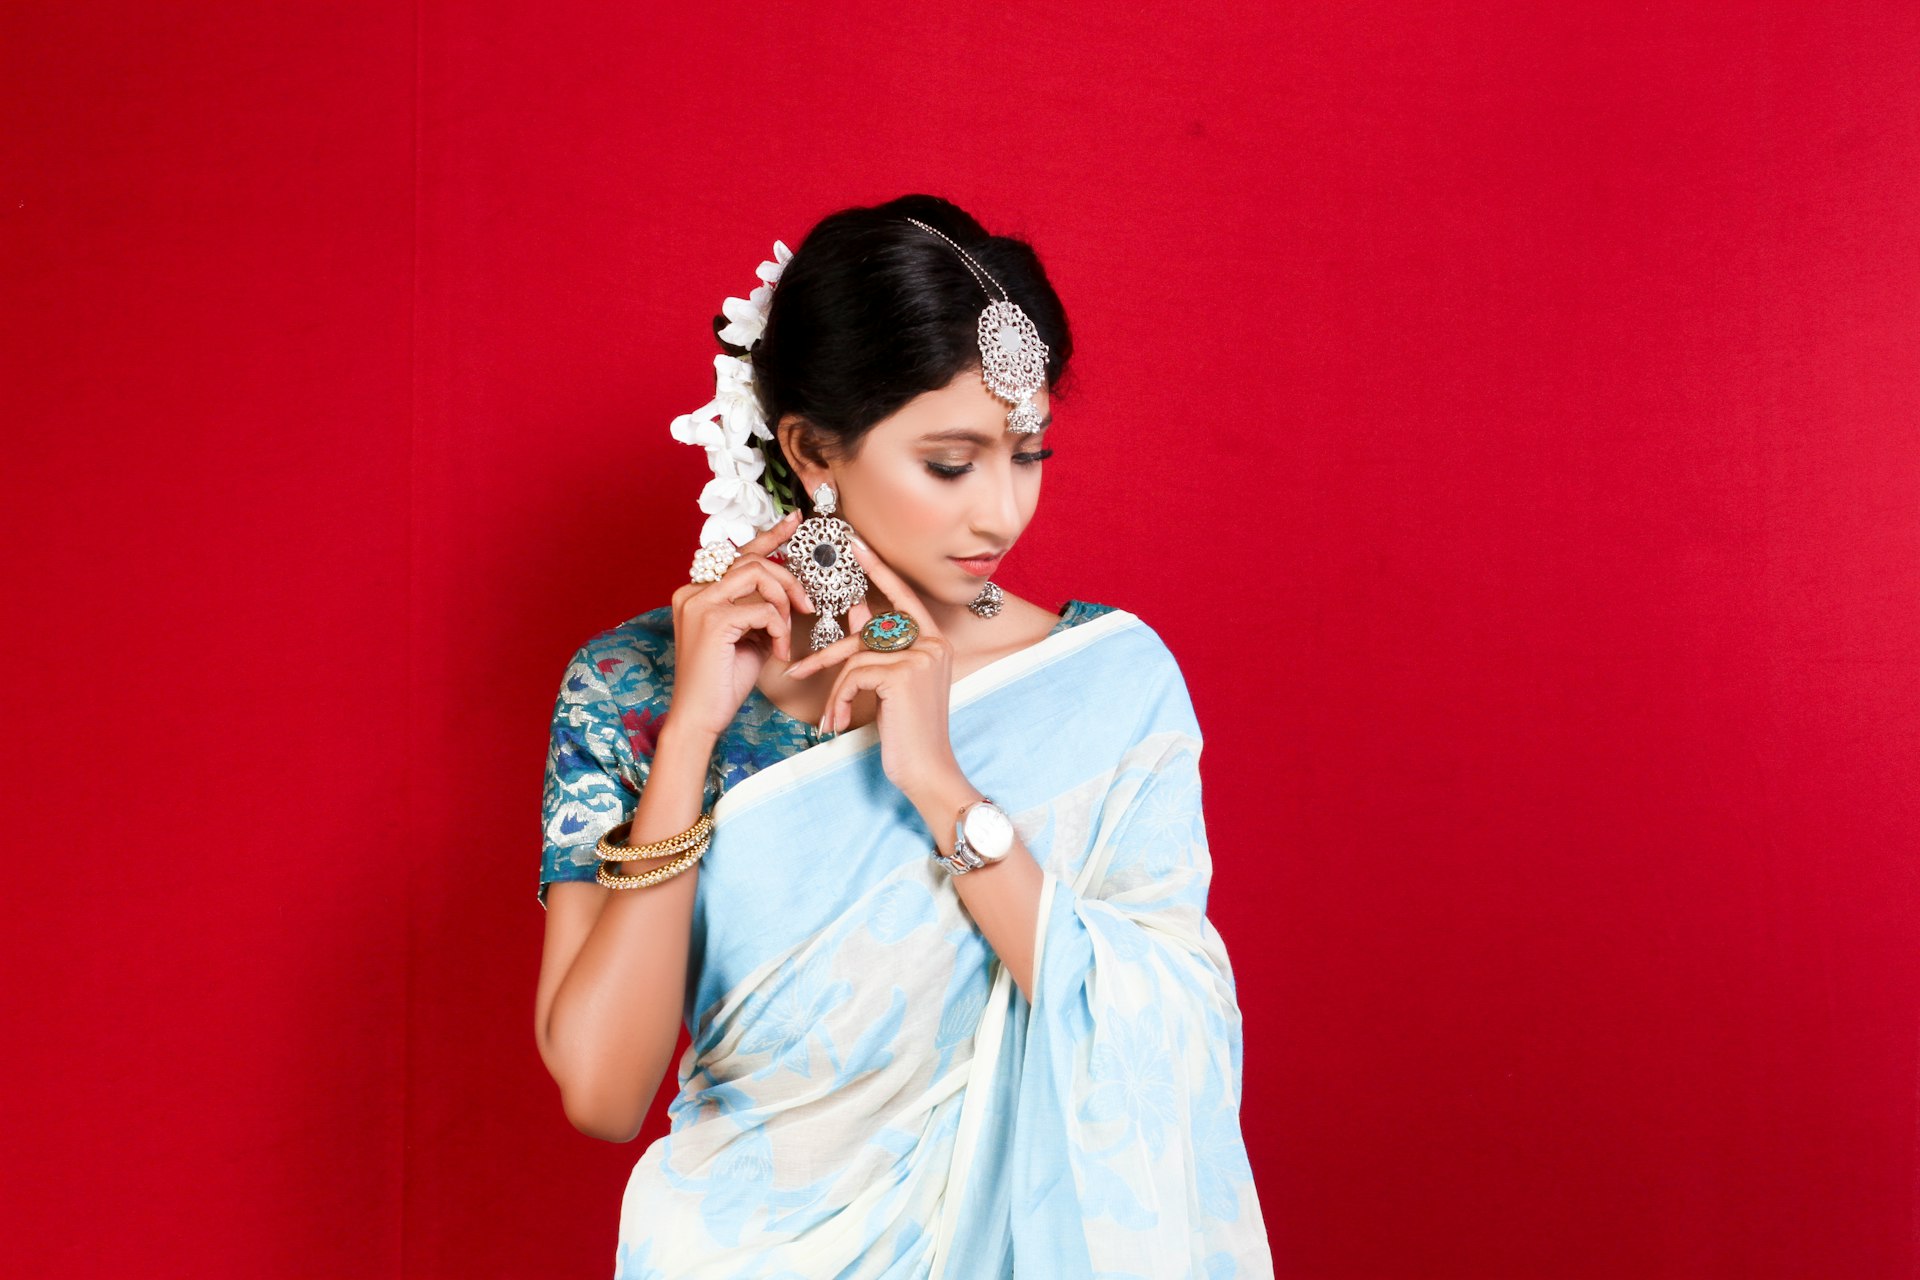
pixel 1026 459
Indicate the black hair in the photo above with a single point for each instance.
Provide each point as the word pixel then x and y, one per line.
pixel 871 311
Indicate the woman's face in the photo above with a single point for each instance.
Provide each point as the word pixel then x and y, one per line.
pixel 919 520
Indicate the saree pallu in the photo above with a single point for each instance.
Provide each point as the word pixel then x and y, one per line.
pixel 868 1094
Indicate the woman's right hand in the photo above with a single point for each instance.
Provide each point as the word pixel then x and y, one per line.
pixel 723 632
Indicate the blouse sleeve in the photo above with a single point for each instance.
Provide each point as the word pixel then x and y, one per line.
pixel 587 791
pixel 1133 1044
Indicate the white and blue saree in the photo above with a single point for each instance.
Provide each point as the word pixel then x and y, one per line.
pixel 868 1094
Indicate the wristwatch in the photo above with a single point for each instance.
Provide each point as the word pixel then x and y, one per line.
pixel 982 833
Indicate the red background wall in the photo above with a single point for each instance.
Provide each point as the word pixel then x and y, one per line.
pixel 1506 413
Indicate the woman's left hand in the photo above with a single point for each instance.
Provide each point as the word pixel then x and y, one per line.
pixel 913 684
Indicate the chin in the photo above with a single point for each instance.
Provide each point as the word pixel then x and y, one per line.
pixel 946 597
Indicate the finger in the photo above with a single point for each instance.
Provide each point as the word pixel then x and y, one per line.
pixel 774 581
pixel 769 538
pixel 801 600
pixel 857 618
pixel 746 579
pixel 760 615
pixel 899 595
pixel 870 669
pixel 840 649
pixel 839 707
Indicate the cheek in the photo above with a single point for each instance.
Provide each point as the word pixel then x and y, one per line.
pixel 916 501
pixel 936 504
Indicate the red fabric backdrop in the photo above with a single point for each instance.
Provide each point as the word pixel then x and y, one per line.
pixel 1507 414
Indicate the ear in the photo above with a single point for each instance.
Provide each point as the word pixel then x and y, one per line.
pixel 801 445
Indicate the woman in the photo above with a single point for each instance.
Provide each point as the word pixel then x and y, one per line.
pixel 932 887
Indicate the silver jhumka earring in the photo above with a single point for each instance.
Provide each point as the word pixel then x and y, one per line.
pixel 988 602
pixel 820 554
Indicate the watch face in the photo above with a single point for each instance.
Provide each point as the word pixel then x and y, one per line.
pixel 989 832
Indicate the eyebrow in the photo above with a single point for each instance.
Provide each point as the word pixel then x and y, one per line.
pixel 974 437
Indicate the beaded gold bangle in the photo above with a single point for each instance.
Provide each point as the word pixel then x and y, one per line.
pixel 617 850
pixel 655 876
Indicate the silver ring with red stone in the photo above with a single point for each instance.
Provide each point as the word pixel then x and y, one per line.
pixel 889 631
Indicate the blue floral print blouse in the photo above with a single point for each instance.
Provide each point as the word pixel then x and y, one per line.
pixel 606 721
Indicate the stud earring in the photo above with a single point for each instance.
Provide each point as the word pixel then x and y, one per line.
pixel 820 554
pixel 988 602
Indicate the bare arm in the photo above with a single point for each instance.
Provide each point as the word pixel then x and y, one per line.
pixel 613 968
pixel 1002 898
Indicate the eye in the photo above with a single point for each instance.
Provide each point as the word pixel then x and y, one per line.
pixel 946 472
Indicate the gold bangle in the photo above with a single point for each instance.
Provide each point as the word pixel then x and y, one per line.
pixel 655 876
pixel 620 851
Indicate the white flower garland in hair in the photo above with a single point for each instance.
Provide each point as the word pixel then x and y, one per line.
pixel 739 500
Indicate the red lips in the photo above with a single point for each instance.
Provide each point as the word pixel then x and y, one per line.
pixel 979 568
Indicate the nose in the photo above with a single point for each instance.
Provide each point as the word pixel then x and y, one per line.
pixel 998 517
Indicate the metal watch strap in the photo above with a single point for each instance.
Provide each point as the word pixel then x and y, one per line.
pixel 963 859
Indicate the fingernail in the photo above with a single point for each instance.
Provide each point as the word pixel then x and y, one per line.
pixel 858 542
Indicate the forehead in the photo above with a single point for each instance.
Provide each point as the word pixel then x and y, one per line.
pixel 962 411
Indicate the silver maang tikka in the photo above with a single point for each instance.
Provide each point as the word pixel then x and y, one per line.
pixel 820 554
pixel 1013 360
